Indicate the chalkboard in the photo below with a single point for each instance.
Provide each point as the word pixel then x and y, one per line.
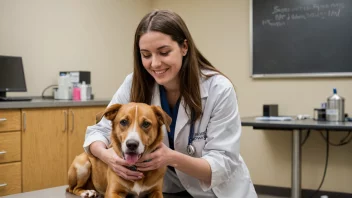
pixel 301 38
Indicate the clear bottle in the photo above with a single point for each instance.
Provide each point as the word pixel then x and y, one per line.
pixel 89 92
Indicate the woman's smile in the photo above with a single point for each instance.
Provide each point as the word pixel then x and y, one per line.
pixel 160 72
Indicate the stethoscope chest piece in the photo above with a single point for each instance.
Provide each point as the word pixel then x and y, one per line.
pixel 191 150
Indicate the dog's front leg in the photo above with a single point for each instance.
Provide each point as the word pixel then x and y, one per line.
pixel 114 188
pixel 156 194
pixel 115 192
pixel 115 195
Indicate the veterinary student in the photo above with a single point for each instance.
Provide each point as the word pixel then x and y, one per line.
pixel 202 150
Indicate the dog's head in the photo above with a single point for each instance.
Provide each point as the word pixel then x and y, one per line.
pixel 136 129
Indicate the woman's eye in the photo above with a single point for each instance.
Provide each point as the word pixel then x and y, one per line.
pixel 123 122
pixel 146 55
pixel 164 53
pixel 146 124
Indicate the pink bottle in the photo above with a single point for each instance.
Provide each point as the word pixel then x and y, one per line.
pixel 76 93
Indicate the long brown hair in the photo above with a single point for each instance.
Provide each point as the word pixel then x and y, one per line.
pixel 170 23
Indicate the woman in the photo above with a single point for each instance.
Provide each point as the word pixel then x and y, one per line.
pixel 202 148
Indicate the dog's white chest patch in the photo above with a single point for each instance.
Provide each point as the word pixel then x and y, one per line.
pixel 138 188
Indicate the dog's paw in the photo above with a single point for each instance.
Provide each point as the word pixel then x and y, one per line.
pixel 89 193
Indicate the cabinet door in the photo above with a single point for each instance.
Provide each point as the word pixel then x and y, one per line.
pixel 44 148
pixel 79 119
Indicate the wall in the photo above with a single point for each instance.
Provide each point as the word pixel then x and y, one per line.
pixel 221 32
pixel 54 35
pixel 71 35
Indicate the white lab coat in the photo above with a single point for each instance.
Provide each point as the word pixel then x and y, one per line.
pixel 216 138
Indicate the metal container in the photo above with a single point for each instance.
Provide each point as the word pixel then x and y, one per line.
pixel 319 114
pixel 335 108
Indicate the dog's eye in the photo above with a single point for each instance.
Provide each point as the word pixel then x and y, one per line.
pixel 123 122
pixel 146 124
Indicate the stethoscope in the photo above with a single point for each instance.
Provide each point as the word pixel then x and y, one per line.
pixel 191 150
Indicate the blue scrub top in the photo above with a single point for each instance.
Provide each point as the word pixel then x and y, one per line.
pixel 172 112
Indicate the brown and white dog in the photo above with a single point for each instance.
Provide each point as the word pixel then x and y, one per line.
pixel 136 130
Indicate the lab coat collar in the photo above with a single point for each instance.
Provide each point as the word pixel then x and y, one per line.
pixel 202 87
pixel 204 84
pixel 156 95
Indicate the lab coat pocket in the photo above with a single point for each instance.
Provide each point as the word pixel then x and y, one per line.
pixel 199 140
pixel 199 146
pixel 200 137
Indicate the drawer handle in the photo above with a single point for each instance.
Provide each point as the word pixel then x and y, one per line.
pixel 3 185
pixel 3 119
pixel 24 121
pixel 2 152
pixel 73 121
pixel 65 121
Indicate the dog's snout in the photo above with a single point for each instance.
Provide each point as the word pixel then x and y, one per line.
pixel 132 144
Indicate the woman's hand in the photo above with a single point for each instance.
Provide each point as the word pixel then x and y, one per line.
pixel 162 156
pixel 118 165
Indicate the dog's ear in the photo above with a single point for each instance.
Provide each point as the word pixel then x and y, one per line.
pixel 111 112
pixel 99 116
pixel 162 116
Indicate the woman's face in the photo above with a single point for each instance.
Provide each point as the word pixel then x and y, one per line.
pixel 162 58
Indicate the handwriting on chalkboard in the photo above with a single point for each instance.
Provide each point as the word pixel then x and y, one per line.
pixel 283 15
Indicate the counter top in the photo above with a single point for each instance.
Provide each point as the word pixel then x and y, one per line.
pixel 57 192
pixel 296 124
pixel 48 103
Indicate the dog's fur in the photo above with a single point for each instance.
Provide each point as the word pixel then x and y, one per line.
pixel 136 130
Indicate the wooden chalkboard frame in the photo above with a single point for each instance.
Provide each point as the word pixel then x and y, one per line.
pixel 283 75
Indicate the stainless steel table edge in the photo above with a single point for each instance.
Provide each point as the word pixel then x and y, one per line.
pixel 296 126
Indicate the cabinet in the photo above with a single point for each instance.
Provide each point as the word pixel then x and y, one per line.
pixel 44 148
pixel 10 152
pixel 79 119
pixel 51 138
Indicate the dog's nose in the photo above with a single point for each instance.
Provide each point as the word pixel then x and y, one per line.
pixel 132 144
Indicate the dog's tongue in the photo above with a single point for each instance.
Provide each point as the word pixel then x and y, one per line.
pixel 131 158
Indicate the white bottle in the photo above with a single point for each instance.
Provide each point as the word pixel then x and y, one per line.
pixel 84 91
pixel 64 87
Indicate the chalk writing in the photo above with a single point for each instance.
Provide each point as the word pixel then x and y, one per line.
pixel 273 23
pixel 282 15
